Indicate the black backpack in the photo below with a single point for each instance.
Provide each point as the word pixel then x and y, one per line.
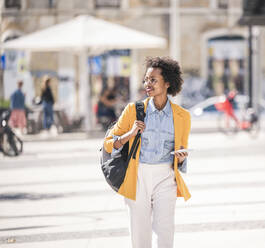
pixel 114 169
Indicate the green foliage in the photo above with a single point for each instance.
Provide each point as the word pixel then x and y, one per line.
pixel 4 103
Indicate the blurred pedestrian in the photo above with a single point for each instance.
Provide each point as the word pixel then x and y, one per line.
pixel 17 104
pixel 152 180
pixel 106 108
pixel 47 101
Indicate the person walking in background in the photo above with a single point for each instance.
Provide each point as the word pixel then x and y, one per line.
pixel 47 101
pixel 17 104
pixel 152 179
pixel 106 108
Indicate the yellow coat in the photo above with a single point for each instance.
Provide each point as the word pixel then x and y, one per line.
pixel 181 118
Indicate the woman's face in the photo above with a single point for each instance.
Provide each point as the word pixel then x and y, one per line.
pixel 154 83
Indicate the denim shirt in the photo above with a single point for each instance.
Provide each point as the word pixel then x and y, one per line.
pixel 158 137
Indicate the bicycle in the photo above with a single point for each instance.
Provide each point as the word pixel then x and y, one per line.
pixel 10 144
pixel 229 124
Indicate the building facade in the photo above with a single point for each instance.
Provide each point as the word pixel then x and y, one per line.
pixel 212 46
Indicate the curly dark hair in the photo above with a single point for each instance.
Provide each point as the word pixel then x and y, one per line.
pixel 170 71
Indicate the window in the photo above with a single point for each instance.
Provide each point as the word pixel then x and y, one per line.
pixel 107 3
pixel 223 4
pixel 52 3
pixel 13 4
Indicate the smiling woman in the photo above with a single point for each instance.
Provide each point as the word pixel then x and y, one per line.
pixel 154 83
pixel 152 179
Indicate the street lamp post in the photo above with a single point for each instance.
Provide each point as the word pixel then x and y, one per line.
pixel 174 37
pixel 250 53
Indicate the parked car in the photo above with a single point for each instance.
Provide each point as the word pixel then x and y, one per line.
pixel 207 106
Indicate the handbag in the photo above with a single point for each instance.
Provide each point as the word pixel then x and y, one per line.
pixel 114 168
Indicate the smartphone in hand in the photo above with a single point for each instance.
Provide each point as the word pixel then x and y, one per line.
pixel 182 150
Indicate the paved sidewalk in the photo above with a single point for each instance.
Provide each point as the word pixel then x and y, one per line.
pixel 54 195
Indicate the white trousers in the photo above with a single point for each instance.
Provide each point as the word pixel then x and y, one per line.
pixel 152 214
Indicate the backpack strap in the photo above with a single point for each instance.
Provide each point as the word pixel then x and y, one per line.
pixel 140 114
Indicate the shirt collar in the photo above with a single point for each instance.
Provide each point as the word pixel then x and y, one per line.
pixel 166 110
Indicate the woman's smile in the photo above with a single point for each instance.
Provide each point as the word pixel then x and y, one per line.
pixel 148 89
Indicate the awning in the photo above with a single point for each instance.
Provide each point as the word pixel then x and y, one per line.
pixel 86 32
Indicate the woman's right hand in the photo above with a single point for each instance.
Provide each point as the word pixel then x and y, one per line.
pixel 137 125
